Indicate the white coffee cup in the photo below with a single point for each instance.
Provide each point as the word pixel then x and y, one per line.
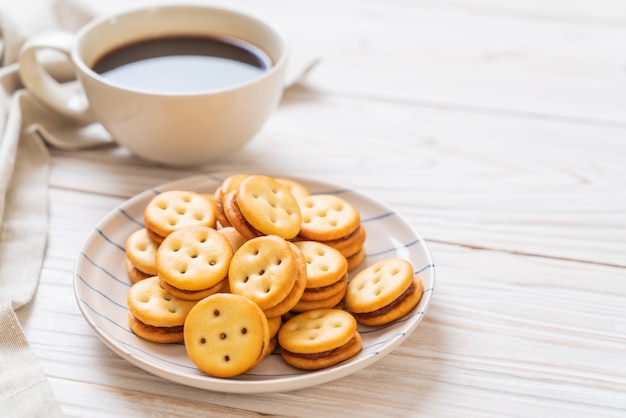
pixel 180 129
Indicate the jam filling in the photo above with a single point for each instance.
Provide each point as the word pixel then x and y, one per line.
pixel 190 292
pixel 323 354
pixel 243 220
pixel 175 329
pixel 320 289
pixel 389 307
pixel 337 242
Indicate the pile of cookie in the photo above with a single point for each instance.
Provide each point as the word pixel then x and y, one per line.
pixel 260 263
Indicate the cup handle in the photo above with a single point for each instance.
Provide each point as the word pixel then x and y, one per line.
pixel 68 99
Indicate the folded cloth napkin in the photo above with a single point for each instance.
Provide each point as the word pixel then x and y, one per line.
pixel 26 127
pixel 24 165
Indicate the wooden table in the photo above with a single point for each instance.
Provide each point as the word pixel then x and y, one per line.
pixel 498 129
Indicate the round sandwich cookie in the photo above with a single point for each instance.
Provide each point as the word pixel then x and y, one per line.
pixel 327 217
pixel 262 205
pixel 193 262
pixel 235 219
pixel 175 209
pixel 326 270
pixel 226 335
pixel 297 290
pixel 154 314
pixel 327 277
pixel 141 252
pixel 229 184
pixel 266 270
pixel 383 292
pixel 319 338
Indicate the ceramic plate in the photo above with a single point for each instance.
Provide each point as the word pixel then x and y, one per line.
pixel 101 285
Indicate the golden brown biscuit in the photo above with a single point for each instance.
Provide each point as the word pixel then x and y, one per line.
pixel 226 335
pixel 193 259
pixel 161 335
pixel 383 292
pixel 268 207
pixel 264 269
pixel 175 209
pixel 324 265
pixel 319 338
pixel 327 217
pixel 327 276
pixel 297 291
pixel 141 251
pixel 154 314
pixel 229 184
pixel 236 218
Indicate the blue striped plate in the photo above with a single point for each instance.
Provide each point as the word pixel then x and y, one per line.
pixel 101 285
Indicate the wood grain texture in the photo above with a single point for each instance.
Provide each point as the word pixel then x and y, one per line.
pixel 497 129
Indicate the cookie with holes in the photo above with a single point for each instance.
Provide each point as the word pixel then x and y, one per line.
pixel 319 338
pixel 350 246
pixel 176 209
pixel 327 217
pixel 267 270
pixel 383 292
pixel 154 314
pixel 262 205
pixel 327 272
pixel 297 290
pixel 140 255
pixel 193 262
pixel 226 335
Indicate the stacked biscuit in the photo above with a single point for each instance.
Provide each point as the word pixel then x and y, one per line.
pixel 232 269
pixel 333 221
pixel 327 277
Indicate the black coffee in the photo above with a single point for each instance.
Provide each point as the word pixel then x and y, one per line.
pixel 183 64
